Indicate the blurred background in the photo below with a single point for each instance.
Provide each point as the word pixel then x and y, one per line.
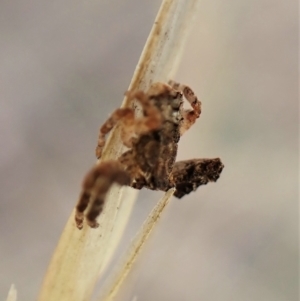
pixel 65 66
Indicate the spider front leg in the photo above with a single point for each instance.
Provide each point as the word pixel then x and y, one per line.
pixel 190 174
pixel 94 189
pixel 99 180
pixel 152 118
pixel 130 124
pixel 110 123
pixel 189 116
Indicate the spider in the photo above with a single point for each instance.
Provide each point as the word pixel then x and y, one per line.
pixel 152 142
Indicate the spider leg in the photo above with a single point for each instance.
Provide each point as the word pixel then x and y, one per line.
pixel 119 114
pixel 152 118
pixel 94 189
pixel 190 174
pixel 99 180
pixel 130 125
pixel 189 116
pixel 127 137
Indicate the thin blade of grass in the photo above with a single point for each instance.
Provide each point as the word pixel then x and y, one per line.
pixel 12 294
pixel 80 256
pixel 119 276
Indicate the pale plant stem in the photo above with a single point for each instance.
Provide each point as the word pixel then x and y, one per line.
pixel 80 256
pixel 118 277
pixel 12 294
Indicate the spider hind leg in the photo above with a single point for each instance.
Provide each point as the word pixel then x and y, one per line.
pixel 190 174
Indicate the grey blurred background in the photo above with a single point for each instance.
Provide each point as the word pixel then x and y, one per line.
pixel 65 66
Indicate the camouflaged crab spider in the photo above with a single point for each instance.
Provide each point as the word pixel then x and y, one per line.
pixel 152 142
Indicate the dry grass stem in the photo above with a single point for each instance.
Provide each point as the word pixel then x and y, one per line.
pixel 12 294
pixel 80 256
pixel 115 282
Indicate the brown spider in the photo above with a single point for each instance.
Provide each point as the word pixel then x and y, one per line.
pixel 152 141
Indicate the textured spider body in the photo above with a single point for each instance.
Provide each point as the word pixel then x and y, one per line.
pixel 152 142
pixel 155 151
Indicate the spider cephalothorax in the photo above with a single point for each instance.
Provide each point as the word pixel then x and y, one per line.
pixel 152 142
